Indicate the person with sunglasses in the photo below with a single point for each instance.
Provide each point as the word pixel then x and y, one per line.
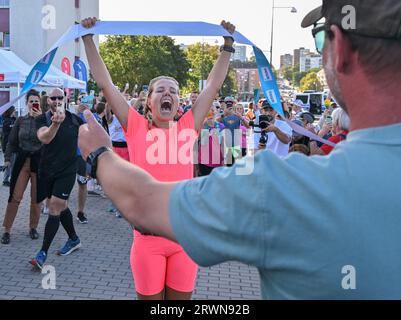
pixel 26 147
pixel 323 227
pixel 58 131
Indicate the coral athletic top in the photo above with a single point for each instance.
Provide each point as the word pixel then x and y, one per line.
pixel 165 153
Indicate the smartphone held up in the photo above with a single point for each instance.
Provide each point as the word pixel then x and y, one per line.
pixel 60 109
pixel 35 106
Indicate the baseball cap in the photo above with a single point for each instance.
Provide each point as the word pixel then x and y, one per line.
pixel 308 117
pixel 266 104
pixel 230 101
pixel 298 103
pixel 376 19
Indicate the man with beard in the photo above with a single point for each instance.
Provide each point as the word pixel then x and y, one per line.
pixel 322 227
pixel 58 131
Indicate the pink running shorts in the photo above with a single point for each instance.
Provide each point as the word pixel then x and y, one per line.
pixel 160 262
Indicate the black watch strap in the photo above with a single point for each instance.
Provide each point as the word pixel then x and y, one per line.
pixel 227 48
pixel 92 159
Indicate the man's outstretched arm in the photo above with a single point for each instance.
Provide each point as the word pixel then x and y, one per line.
pixel 143 201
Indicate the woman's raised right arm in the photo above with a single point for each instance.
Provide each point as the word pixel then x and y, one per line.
pixel 102 76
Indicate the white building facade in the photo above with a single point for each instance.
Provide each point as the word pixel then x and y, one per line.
pixel 309 62
pixel 240 53
pixel 35 25
pixel 30 28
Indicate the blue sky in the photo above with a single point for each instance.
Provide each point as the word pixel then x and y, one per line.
pixel 251 17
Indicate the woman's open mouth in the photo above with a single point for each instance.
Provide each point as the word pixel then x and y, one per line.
pixel 166 108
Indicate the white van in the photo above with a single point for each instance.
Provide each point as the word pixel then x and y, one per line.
pixel 313 101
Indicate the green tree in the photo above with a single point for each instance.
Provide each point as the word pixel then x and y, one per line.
pixel 311 82
pixel 138 59
pixel 92 85
pixel 297 77
pixel 244 65
pixel 201 58
pixel 288 73
pixel 229 87
pixel 315 70
pixel 252 59
pixel 275 72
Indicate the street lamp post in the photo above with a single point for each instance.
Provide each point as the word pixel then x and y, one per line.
pixel 293 10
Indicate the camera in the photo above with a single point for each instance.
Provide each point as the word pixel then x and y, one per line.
pixel 264 122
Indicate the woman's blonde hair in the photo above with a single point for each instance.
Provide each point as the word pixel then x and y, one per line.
pixel 148 111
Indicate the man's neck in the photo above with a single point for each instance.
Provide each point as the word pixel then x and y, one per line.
pixel 371 104
pixel 375 118
pixel 375 110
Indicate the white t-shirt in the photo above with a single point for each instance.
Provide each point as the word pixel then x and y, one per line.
pixel 274 144
pixel 256 135
pixel 116 131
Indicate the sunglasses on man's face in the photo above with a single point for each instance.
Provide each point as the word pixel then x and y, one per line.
pixel 56 98
pixel 319 34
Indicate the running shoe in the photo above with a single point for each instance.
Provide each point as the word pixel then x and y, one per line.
pixel 112 208
pixel 94 193
pixel 33 234
pixel 81 218
pixel 69 247
pixel 5 239
pixel 39 260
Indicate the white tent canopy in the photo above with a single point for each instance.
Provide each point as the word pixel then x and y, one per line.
pixel 15 71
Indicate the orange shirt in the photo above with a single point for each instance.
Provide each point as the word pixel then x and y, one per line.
pixel 166 154
pixel 250 115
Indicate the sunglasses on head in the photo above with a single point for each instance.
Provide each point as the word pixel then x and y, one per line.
pixel 56 98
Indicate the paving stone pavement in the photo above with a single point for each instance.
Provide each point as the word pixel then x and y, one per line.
pixel 101 268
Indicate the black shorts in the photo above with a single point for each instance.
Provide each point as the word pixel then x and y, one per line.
pixel 59 187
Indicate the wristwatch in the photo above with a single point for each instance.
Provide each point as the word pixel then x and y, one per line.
pixel 92 159
pixel 227 48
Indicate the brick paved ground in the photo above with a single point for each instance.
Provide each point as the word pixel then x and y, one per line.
pixel 100 269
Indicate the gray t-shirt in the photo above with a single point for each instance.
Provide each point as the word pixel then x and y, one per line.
pixel 316 228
